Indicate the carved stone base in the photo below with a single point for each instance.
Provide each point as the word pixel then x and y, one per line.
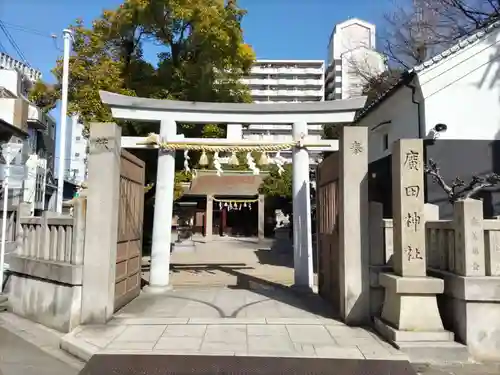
pixel 410 302
pixel 421 346
pixel 411 320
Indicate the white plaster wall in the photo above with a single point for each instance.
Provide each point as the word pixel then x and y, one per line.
pixel 402 114
pixel 11 81
pixel 463 91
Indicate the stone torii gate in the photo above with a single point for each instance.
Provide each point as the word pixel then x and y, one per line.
pixel 168 113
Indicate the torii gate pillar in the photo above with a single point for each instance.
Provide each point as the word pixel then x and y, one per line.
pixel 302 228
pixel 159 276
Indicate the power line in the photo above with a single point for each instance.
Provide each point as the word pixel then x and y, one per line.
pixel 29 30
pixel 13 43
pixel 32 31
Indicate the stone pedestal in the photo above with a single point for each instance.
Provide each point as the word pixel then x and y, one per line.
pixel 410 317
pixel 184 242
pixel 410 308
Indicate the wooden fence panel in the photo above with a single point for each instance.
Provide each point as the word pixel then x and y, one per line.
pixel 327 207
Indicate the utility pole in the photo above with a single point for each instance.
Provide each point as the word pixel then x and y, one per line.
pixel 67 36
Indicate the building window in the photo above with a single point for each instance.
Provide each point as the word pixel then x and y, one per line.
pixel 78 138
pixel 77 154
pixel 385 142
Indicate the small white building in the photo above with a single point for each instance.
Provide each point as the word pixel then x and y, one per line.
pixel 76 152
pixel 23 122
pixel 459 88
pixel 352 57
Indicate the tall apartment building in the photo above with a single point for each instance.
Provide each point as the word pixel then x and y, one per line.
pixel 282 81
pixel 352 58
pixel 32 170
pixel 76 152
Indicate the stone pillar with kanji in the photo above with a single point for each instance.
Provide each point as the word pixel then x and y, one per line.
pixel 470 259
pixel 410 314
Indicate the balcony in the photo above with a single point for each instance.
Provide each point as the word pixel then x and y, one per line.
pixel 301 93
pixel 38 119
pixel 282 82
pixel 14 112
pixel 286 70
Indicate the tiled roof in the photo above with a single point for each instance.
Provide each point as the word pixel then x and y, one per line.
pixel 407 75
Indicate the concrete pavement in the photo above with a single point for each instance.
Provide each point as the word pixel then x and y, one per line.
pixel 224 321
pixel 25 345
pixel 19 357
pixel 27 348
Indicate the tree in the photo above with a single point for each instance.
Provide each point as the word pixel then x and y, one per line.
pixel 180 178
pixel 458 189
pixel 278 185
pixel 379 84
pixel 416 30
pixel 203 57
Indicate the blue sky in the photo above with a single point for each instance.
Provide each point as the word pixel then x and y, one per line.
pixel 277 29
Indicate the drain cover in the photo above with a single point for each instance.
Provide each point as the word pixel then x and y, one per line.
pixel 124 364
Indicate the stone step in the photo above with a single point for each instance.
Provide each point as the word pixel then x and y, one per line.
pixel 435 352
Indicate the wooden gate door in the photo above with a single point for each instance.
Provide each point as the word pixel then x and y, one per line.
pixel 130 220
pixel 327 205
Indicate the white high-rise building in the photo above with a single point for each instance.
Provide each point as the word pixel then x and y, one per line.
pixel 282 81
pixel 76 152
pixel 352 58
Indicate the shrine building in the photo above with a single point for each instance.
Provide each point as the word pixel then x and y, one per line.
pixel 227 205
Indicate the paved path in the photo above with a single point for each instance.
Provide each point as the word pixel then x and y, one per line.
pixel 227 261
pixel 222 321
pixel 19 357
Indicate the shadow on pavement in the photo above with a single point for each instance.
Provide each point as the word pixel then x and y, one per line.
pixel 178 364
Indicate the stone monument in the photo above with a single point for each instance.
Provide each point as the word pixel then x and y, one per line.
pixel 410 316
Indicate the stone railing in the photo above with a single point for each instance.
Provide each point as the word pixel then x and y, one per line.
pixel 440 245
pixel 49 238
pixel 465 253
pixel 48 264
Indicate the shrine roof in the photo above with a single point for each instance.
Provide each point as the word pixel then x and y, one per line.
pixel 228 184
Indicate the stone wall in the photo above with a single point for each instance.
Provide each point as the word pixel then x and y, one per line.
pixel 46 269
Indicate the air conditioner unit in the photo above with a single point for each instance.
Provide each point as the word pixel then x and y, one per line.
pixel 37 118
